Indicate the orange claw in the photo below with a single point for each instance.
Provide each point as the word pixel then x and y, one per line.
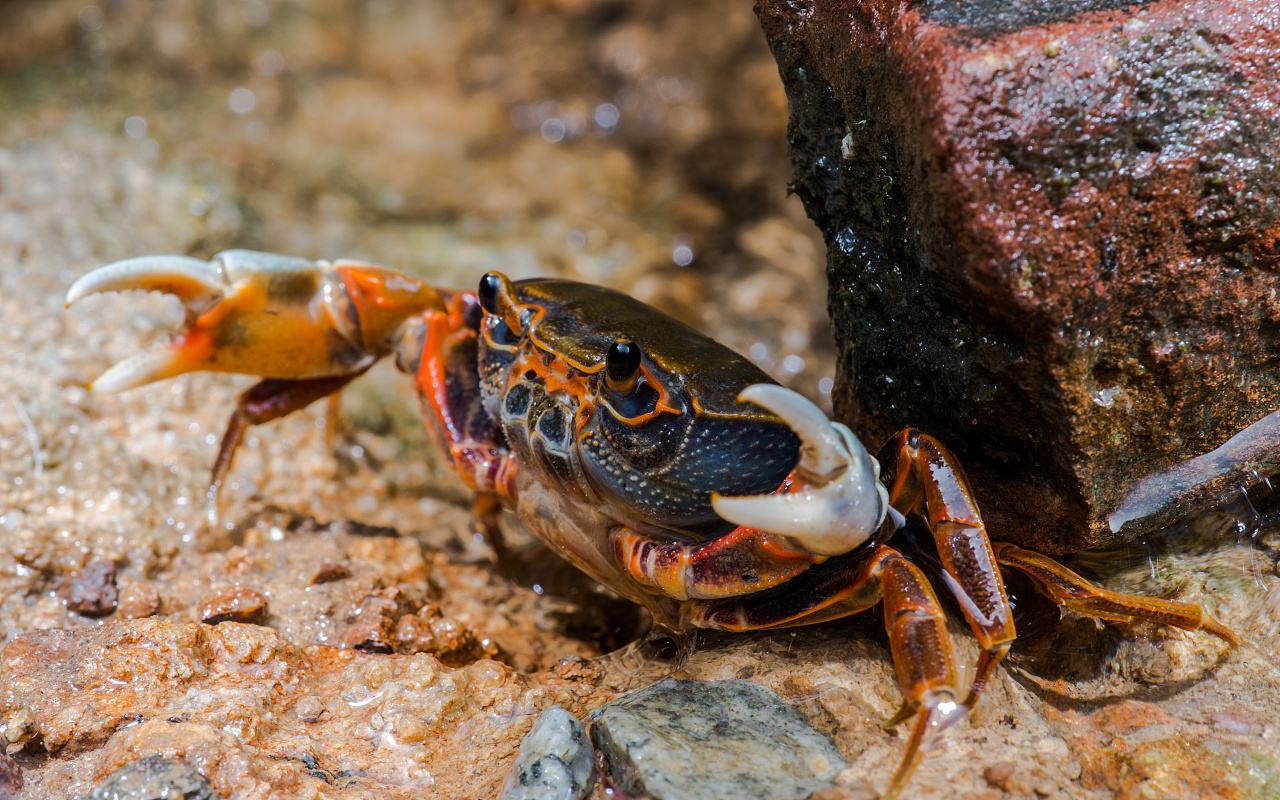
pixel 264 314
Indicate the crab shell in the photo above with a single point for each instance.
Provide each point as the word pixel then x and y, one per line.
pixel 701 443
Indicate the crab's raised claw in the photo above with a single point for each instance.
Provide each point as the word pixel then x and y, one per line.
pixel 836 501
pixel 263 314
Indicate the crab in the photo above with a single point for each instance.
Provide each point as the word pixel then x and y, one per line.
pixel 659 462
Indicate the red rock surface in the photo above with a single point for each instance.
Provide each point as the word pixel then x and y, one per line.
pixel 1052 233
pixel 246 707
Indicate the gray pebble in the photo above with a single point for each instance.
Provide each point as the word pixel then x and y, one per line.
pixel 712 740
pixel 556 761
pixel 153 778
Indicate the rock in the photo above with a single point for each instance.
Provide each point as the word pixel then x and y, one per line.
pixel 138 600
pixel 234 605
pixel 10 777
pixel 328 572
pixel 1051 234
pixel 153 778
pixel 429 631
pixel 719 740
pixel 373 622
pixel 91 591
pixel 556 761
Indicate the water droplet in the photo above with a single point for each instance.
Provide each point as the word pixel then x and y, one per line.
pixel 553 130
pixel 1106 397
pixel 606 116
pixel 135 127
pixel 682 252
pixel 270 63
pixel 242 100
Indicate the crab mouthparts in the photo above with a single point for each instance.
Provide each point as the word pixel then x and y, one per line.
pixel 838 501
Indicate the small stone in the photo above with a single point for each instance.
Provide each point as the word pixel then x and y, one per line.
pixel 91 591
pixel 555 761
pixel 712 740
pixel 10 777
pixel 308 708
pixel 153 778
pixel 234 605
pixel 429 631
pixel 329 572
pixel 372 622
pixel 997 775
pixel 138 600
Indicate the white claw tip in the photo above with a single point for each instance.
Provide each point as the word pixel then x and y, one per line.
pixel 188 278
pixel 840 501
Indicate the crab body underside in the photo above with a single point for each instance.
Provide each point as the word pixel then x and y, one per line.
pixel 661 463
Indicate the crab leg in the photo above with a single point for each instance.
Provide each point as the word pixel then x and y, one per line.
pixel 263 402
pixel 441 352
pixel 918 639
pixel 924 476
pixel 740 562
pixel 1073 592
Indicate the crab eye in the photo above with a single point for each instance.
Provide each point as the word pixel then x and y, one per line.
pixel 499 334
pixel 490 283
pixel 622 366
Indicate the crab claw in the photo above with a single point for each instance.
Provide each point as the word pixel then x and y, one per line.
pixel 263 314
pixel 836 502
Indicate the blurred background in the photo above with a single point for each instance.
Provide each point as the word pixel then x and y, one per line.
pixel 639 145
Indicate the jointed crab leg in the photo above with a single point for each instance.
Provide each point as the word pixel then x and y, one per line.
pixel 740 562
pixel 921 646
pixel 924 476
pixel 1073 592
pixel 263 402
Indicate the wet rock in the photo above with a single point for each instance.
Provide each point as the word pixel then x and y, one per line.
pixel 1051 234
pixel 91 591
pixel 556 761
pixel 429 631
pixel 154 778
pixel 234 605
pixel 373 622
pixel 719 740
pixel 138 600
pixel 329 572
pixel 234 698
pixel 10 777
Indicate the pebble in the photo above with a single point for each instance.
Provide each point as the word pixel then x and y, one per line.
pixel 556 761
pixel 138 600
pixel 329 572
pixel 91 591
pixel 712 740
pixel 153 778
pixel 234 605
pixel 308 708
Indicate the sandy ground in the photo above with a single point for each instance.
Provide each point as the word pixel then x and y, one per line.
pixel 543 138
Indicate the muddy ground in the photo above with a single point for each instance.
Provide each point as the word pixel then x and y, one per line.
pixel 381 653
